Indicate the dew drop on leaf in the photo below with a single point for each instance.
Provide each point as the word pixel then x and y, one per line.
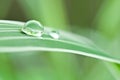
pixel 54 34
pixel 46 35
pixel 33 28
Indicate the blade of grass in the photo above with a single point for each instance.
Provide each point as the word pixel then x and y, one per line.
pixel 52 13
pixel 18 42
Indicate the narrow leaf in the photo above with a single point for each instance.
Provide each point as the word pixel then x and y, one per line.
pixel 13 40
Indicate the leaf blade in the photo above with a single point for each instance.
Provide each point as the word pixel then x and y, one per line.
pixel 17 41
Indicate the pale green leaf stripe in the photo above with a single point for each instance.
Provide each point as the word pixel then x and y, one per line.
pixel 8 22
pixel 9 28
pixel 16 41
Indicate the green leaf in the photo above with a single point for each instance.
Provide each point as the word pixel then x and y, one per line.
pixel 13 40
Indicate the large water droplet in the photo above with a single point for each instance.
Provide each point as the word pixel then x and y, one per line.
pixel 54 34
pixel 33 28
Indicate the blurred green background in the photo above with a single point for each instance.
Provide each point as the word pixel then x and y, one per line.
pixel 98 20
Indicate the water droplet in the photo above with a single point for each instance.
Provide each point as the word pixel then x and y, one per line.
pixel 33 28
pixel 54 34
pixel 46 35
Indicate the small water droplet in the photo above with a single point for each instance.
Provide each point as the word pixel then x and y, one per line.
pixel 54 34
pixel 33 28
pixel 46 35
